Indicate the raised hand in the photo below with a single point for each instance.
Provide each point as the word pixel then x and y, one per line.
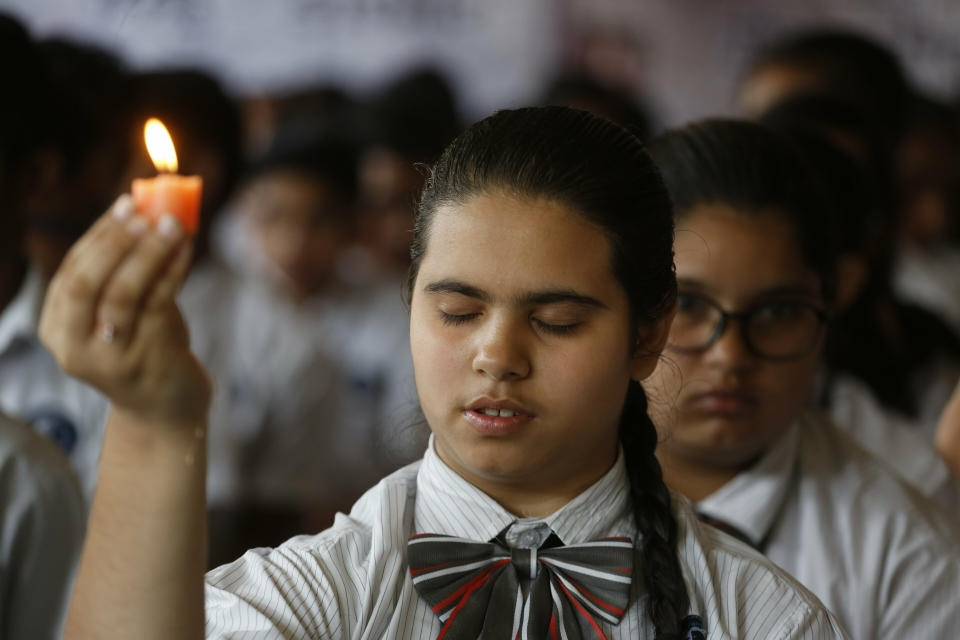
pixel 110 318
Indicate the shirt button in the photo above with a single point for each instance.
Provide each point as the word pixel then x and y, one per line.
pixel 528 540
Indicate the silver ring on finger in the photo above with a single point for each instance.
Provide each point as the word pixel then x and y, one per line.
pixel 109 332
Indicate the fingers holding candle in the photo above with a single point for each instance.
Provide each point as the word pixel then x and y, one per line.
pixel 70 311
pixel 169 193
pixel 110 318
pixel 124 296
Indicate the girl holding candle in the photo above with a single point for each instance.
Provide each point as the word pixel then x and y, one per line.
pixel 542 288
pixel 755 272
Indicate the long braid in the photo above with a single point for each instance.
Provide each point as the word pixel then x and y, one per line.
pixel 662 576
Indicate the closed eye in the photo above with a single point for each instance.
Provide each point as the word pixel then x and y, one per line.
pixel 558 329
pixel 454 319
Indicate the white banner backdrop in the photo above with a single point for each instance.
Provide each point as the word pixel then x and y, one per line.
pixel 691 52
pixel 496 51
pixel 687 53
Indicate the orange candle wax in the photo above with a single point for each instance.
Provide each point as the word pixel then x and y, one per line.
pixel 168 192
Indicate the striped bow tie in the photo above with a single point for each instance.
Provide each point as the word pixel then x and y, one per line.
pixel 475 588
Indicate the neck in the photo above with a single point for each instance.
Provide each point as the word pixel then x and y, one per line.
pixel 533 495
pixel 693 479
pixel 532 503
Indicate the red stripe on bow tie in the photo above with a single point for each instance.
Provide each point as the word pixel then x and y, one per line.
pixel 475 583
pixel 583 612
pixel 608 607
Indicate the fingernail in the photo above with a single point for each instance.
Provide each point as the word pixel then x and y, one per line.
pixel 123 207
pixel 169 226
pixel 137 226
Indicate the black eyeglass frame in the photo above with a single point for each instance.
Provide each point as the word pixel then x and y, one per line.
pixel 743 319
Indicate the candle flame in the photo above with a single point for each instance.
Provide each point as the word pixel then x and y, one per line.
pixel 160 146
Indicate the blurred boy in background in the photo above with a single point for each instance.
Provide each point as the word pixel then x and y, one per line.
pixel 41 508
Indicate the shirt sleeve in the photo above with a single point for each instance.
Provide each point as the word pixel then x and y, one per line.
pixel 813 624
pixel 310 587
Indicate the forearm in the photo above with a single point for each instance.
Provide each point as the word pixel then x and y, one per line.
pixel 141 574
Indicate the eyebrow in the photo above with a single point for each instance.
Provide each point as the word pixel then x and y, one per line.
pixel 779 290
pixel 548 296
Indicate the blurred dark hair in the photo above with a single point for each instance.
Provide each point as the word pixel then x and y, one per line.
pixel 415 116
pixel 86 103
pixel 20 100
pixel 20 103
pixel 850 65
pixel 838 143
pixel 601 171
pixel 754 170
pixel 583 92
pixel 323 152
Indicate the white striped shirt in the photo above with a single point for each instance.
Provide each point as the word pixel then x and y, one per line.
pixel 880 555
pixel 353 581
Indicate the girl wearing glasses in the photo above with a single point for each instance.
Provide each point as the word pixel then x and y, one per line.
pixel 542 287
pixel 755 274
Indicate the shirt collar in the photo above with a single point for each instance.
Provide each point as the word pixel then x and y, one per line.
pixel 447 504
pixel 19 319
pixel 752 501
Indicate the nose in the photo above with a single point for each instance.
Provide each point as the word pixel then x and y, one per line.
pixel 501 353
pixel 730 351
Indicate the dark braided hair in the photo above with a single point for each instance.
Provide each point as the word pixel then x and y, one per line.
pixel 599 169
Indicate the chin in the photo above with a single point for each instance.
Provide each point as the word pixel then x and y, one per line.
pixel 492 459
pixel 718 437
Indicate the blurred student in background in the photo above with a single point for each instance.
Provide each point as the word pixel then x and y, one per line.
pixel 404 128
pixel 80 151
pixel 928 173
pixel 64 159
pixel 756 272
pixel 887 361
pixel 41 508
pixel 829 134
pixel 288 443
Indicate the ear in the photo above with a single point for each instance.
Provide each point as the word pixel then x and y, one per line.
pixel 651 340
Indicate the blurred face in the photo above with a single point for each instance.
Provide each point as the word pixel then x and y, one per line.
pixel 928 165
pixel 389 185
pixel 725 405
pixel 770 84
pixel 300 226
pixel 522 344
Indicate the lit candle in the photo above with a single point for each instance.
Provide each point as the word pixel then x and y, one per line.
pixel 168 192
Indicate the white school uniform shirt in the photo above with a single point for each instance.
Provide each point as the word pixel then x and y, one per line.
pixel 931 279
pixel 34 389
pixel 41 531
pixel 877 553
pixel 894 440
pixel 353 581
pixel 360 324
pixel 280 431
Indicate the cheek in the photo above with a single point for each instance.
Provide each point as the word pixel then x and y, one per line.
pixel 590 380
pixel 435 360
pixel 788 386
